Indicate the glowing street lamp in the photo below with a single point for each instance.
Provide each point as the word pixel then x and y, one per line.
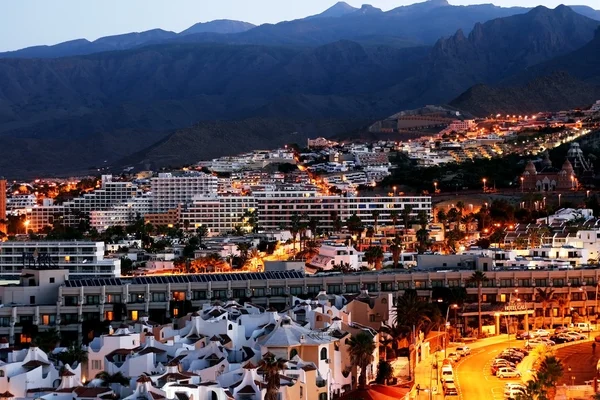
pixel 484 181
pixel 522 181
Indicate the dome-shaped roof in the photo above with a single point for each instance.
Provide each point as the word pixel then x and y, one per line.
pixel 567 167
pixel 530 168
pixel 546 163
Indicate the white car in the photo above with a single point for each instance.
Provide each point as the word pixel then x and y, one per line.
pixel 512 385
pixel 454 357
pixel 575 335
pixel 542 333
pixel 508 372
pixel 513 393
pixel 463 350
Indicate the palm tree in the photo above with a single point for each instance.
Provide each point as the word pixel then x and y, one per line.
pixel 243 249
pixel 108 379
pixel 467 220
pixel 201 232
pixel 47 340
pixel 460 206
pixel 423 239
pixel 396 249
pixel 370 233
pixel 563 303
pixel 313 224
pixel 361 348
pixel 355 225
pixel 406 216
pixel 375 215
pixel 271 368
pixel 394 217
pixel 374 256
pixel 74 354
pixel 550 371
pixel 544 296
pixel 478 278
pixel 295 226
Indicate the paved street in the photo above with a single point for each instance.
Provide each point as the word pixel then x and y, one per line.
pixel 582 361
pixel 473 373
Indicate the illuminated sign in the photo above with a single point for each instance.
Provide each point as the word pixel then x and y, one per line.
pixel 515 307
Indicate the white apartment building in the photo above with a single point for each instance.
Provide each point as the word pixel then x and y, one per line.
pixel 122 214
pixel 276 207
pixel 81 258
pixel 220 214
pixel 169 191
pixel 332 254
pixel 42 216
pixel 20 202
pixel 111 193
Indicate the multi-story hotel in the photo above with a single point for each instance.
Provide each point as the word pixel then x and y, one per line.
pixel 277 207
pixel 111 194
pixel 121 214
pixel 81 259
pixel 162 297
pixel 170 191
pixel 220 214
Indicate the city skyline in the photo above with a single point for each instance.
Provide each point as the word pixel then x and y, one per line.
pixel 32 23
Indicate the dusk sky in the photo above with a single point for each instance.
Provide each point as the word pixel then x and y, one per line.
pixel 26 23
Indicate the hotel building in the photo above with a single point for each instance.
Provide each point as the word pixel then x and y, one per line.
pixel 170 191
pixel 161 297
pixel 2 205
pixel 81 259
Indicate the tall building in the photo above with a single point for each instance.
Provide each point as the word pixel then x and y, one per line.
pixel 2 205
pixel 170 191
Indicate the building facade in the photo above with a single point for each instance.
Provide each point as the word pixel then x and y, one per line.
pixel 220 214
pixel 169 191
pixel 2 205
pixel 81 259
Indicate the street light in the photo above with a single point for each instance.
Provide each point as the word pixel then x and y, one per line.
pixel 484 181
pixel 522 179
pixel 394 190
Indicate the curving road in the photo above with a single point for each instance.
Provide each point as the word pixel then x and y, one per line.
pixel 582 360
pixel 473 375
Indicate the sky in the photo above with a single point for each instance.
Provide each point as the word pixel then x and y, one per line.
pixel 26 23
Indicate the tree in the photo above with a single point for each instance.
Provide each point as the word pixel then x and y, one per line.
pixel 108 379
pixel 423 240
pixel 544 296
pixel 375 215
pixel 550 371
pixel 442 217
pixel 563 303
pixel 201 233
pixel 271 368
pixel 361 348
pixel 478 278
pixel 370 233
pixel 355 225
pixel 384 372
pixel 313 224
pixel 295 226
pixel 394 217
pixel 244 249
pixel 461 207
pixel 47 340
pixel 406 217
pixel 74 354
pixel 396 249
pixel 374 256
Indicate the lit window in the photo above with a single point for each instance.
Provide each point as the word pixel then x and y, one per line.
pixel 134 315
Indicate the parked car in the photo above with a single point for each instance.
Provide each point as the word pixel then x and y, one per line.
pixel 454 357
pixel 561 338
pixel 508 372
pixel 500 364
pixel 513 393
pixel 522 335
pixel 597 338
pixel 463 350
pixel 450 389
pixel 576 335
pixel 542 333
pixel 519 349
pixel 512 385
pixel 560 329
pixel 447 373
pixel 583 327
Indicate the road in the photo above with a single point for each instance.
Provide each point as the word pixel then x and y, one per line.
pixel 473 374
pixel 582 361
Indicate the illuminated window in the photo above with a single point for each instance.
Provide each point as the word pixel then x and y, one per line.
pixel 134 315
pixel 67 258
pixel 175 312
pixel 109 315
pixel 24 338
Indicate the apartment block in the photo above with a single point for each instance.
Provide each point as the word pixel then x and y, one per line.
pixel 81 259
pixel 170 191
pixel 220 214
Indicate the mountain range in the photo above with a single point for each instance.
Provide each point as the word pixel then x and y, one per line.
pixel 157 97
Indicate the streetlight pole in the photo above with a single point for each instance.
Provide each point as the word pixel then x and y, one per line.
pixel 560 194
pixel 484 181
